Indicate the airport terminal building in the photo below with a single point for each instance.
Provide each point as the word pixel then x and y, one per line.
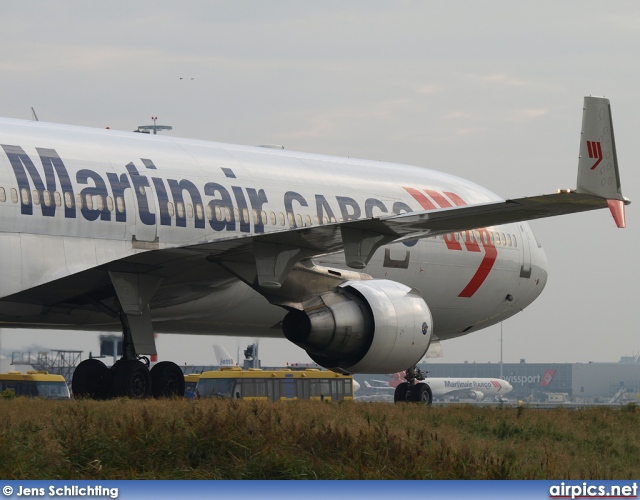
pixel 580 382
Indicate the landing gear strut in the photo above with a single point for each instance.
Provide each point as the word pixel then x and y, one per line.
pixel 414 389
pixel 130 375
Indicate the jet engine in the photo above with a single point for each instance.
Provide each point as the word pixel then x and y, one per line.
pixel 477 395
pixel 368 326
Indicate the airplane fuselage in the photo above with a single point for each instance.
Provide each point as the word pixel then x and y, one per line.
pixel 74 199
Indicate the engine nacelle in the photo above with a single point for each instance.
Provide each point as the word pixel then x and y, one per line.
pixel 368 326
pixel 477 395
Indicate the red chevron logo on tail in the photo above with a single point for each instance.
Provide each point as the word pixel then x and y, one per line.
pixel 595 151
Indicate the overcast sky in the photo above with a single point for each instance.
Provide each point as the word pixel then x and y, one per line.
pixel 490 91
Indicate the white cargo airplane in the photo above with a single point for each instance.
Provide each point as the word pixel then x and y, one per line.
pixel 442 387
pixel 115 231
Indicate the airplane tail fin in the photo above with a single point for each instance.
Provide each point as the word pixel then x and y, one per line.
pixel 598 164
pixel 224 358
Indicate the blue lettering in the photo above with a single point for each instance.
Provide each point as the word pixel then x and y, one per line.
pixel 100 189
pixel 223 205
pixel 118 185
pixel 345 204
pixel 257 199
pixel 322 207
pixel 372 203
pixel 139 183
pixel 163 201
pixel 242 209
pixel 52 165
pixel 176 191
pixel 289 198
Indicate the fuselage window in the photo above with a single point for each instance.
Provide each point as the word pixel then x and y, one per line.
pixel 79 200
pixel 46 198
pixel 189 211
pixel 99 202
pixel 36 197
pixel 180 209
pixel 109 203
pixel 199 214
pixel 317 220
pixel 515 241
pixel 236 212
pixel 291 221
pixel 264 218
pixel 24 194
pixel 299 220
pixel 14 195
pixel 308 218
pixel 68 199
pixel 3 195
pixel 254 214
pixel 209 213
pixel 227 214
pixel 333 220
pixel 89 201
pixel 274 221
pixel 120 204
pixel 325 220
pixel 281 219
pixel 245 215
pixel 57 198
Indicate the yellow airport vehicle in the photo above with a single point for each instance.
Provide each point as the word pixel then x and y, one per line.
pixel 39 384
pixel 275 385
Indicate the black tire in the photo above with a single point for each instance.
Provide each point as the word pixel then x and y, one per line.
pixel 402 392
pixel 167 380
pixel 131 379
pixel 92 379
pixel 421 393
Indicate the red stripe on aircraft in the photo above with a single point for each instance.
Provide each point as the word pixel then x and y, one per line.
pixel 451 242
pixel 470 242
pixel 438 198
pixel 456 199
pixel 420 198
pixel 591 155
pixel 490 256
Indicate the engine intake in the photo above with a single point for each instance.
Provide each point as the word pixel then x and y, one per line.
pixel 369 326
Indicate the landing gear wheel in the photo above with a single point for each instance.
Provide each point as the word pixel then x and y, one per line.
pixel 167 380
pixel 131 379
pixel 421 393
pixel 402 393
pixel 92 379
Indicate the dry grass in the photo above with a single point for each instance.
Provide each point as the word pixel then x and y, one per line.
pixel 215 439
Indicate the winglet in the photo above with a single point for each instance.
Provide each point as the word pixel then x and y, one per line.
pixel 598 165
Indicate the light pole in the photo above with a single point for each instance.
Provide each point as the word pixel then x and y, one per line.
pixel 501 349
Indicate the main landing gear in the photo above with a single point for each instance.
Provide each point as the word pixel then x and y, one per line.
pixel 414 390
pixel 130 375
pixel 129 378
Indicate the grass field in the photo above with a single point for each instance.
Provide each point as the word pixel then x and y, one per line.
pixel 225 439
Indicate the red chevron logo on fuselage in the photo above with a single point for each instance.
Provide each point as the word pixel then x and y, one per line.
pixel 436 200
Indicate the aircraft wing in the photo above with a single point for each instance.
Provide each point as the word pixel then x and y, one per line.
pixel 275 253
